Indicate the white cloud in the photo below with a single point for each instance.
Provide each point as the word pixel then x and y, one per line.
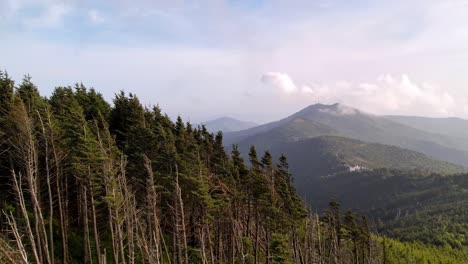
pixel 220 49
pixel 386 95
pixel 281 81
pixel 340 110
pixel 307 90
pixel 155 74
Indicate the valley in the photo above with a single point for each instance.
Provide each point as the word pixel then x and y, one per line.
pixel 233 132
pixel 397 171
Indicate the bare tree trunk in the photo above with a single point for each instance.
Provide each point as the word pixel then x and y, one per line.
pixel 49 189
pixel 210 244
pixel 66 210
pixel 233 241
pixel 152 200
pixel 180 204
pixel 115 246
pixel 27 149
pixel 165 247
pixel 256 237
pixel 202 245
pixel 87 246
pixel 95 228
pixel 17 185
pixel 130 226
pixel 110 183
pixel 319 240
pixel 120 238
pixel 127 219
pixel 18 239
pixel 267 238
pixel 59 190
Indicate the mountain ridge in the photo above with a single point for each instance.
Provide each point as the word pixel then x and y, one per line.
pixel 450 126
pixel 344 121
pixel 325 155
pixel 227 124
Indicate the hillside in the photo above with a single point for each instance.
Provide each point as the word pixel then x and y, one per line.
pixel 227 124
pixel 410 206
pixel 83 181
pixel 325 155
pixel 451 126
pixel 343 121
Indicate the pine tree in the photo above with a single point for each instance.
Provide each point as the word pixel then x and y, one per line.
pixel 280 250
pixel 6 101
pixel 92 102
pixel 84 182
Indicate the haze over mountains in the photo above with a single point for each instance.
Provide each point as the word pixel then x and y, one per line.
pixel 343 121
pixel 337 158
pixel 327 155
pixel 452 126
pixel 227 124
pixel 405 173
pixel 105 158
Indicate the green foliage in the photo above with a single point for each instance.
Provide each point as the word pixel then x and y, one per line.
pixel 343 121
pixel 411 206
pixel 280 249
pixel 415 253
pixel 6 93
pixel 92 102
pixel 6 100
pixel 328 155
pixel 29 94
pixel 126 180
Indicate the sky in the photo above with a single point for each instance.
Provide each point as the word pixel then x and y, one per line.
pixel 255 60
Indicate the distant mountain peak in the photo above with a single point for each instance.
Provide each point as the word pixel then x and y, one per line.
pixel 223 118
pixel 342 120
pixel 336 109
pixel 339 109
pixel 227 124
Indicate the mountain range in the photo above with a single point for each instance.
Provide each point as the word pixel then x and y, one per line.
pixel 404 173
pixel 408 205
pixel 227 124
pixel 452 126
pixel 326 155
pixel 343 121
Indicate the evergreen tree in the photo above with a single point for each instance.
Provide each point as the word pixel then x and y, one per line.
pixel 86 182
pixel 6 100
pixel 92 102
pixel 280 250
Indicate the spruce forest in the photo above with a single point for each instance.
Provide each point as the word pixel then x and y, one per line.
pixel 233 132
pixel 88 181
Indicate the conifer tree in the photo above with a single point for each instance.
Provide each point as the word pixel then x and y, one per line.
pixel 6 100
pixel 86 182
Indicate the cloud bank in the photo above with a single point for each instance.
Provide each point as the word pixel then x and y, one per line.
pixel 387 94
pixel 204 59
pixel 282 81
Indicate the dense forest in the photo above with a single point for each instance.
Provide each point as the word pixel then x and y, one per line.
pixel 408 205
pixel 85 181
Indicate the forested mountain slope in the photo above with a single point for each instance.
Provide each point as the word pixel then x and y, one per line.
pixel 343 121
pixel 411 206
pixel 450 126
pixel 326 155
pixel 407 194
pixel 82 181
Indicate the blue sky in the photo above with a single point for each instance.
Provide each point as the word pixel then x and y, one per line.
pixel 256 60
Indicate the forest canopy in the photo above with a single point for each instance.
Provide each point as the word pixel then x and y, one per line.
pixel 86 181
